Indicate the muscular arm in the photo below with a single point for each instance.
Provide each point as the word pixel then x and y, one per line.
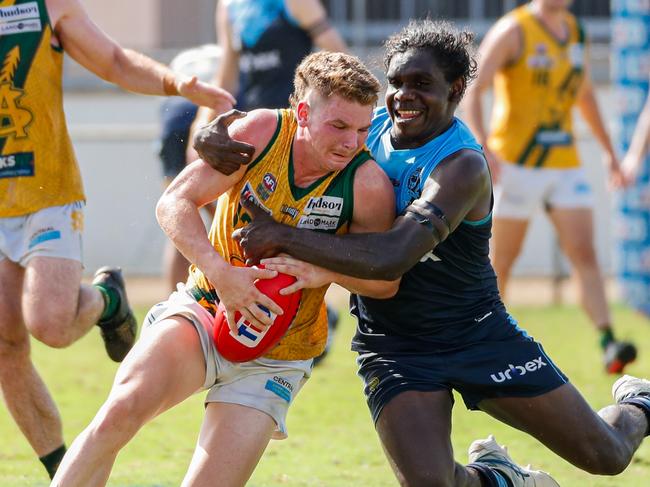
pixel 92 48
pixel 500 47
pixel 460 186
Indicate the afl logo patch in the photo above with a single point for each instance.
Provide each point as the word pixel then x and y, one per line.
pixel 267 186
pixel 269 182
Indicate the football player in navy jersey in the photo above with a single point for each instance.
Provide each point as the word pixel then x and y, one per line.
pixel 446 328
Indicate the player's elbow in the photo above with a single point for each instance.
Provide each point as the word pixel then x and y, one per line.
pixel 120 65
pixel 163 210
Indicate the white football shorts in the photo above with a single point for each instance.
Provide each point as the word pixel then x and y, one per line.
pixel 50 232
pixel 520 191
pixel 263 384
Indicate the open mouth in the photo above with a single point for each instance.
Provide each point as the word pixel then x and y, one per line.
pixel 407 115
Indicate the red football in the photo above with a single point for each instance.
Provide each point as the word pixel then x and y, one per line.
pixel 250 342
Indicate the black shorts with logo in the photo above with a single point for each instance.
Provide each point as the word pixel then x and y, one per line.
pixel 513 367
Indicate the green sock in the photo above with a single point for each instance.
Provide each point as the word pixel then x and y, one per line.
pixel 111 301
pixel 606 337
pixel 52 460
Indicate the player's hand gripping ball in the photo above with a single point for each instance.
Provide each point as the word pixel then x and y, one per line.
pixel 250 342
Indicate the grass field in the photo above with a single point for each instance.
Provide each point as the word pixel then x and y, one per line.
pixel 332 441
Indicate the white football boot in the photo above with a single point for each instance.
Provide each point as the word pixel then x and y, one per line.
pixel 488 452
pixel 627 387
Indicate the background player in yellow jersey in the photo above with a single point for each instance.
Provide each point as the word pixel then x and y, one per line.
pixel 42 200
pixel 311 170
pixel 536 56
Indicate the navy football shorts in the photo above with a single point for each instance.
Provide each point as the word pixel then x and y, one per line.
pixel 515 367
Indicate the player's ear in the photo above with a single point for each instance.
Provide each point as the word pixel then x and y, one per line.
pixel 457 89
pixel 302 113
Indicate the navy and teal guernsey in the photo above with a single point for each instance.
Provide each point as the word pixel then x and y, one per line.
pixel 450 297
pixel 271 44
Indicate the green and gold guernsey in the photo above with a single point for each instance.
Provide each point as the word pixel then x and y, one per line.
pixel 326 206
pixel 532 123
pixel 38 168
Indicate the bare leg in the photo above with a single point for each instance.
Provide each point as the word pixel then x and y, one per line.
pixel 60 314
pixel 507 239
pixel 24 392
pixel 415 429
pixel 232 441
pixel 599 443
pixel 165 367
pixel 574 228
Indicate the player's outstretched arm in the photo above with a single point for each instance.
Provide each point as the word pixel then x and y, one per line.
pixel 501 46
pixel 458 188
pixel 87 44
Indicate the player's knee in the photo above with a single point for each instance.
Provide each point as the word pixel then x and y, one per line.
pixel 581 254
pixel 612 460
pixel 117 422
pixel 51 328
pixel 51 337
pixel 602 457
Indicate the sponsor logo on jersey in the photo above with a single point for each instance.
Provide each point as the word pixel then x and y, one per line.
pixel 550 138
pixel 33 25
pixel 541 59
pixel 289 210
pixel 414 179
pixel 270 182
pixel 519 370
pixel 249 194
pixel 267 186
pixel 263 61
pixel 20 18
pixel 324 205
pixel 318 222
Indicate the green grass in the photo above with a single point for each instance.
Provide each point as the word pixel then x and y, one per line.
pixel 332 441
